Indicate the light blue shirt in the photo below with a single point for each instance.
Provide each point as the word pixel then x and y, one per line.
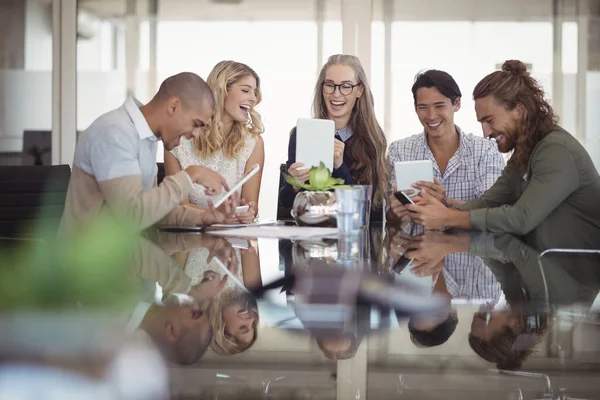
pixel 472 170
pixel 345 133
pixel 119 143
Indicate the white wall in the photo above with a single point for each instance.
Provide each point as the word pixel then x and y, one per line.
pixel 38 35
pixel 25 101
pixel 592 141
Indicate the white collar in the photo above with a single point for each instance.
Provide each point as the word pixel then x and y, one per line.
pixel 132 106
pixel 137 316
pixel 344 133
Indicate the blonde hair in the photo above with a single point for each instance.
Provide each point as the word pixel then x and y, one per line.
pixel 368 147
pixel 214 137
pixel 223 344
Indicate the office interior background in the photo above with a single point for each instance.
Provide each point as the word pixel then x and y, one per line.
pixel 65 62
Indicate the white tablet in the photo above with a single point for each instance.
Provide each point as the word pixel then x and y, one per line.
pixel 246 178
pixel 409 172
pixel 314 142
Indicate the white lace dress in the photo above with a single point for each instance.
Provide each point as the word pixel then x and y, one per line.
pixel 231 169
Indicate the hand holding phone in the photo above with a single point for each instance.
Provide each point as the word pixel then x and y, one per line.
pixel 242 209
pixel 403 198
pixel 402 263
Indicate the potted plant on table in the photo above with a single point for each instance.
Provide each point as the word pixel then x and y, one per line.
pixel 316 204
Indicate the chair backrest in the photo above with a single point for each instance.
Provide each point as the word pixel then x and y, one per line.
pixel 32 194
pixel 37 147
pixel 161 173
pixel 283 213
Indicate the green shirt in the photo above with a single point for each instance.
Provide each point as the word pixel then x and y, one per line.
pixel 556 203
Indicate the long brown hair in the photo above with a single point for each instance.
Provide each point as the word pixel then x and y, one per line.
pixel 513 86
pixel 214 137
pixel 368 147
pixel 504 349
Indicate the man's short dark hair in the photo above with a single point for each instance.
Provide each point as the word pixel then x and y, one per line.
pixel 188 348
pixel 440 80
pixel 188 87
pixel 350 352
pixel 435 337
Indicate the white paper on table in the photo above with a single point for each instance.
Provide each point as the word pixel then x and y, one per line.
pixel 280 232
pixel 259 223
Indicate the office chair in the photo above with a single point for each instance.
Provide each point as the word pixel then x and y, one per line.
pixel 161 173
pixel 283 213
pixel 37 147
pixel 30 194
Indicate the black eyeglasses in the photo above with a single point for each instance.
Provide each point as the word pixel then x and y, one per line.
pixel 345 88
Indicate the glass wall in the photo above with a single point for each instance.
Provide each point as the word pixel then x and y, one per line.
pixel 280 40
pixel 468 40
pixel 25 82
pixel 130 46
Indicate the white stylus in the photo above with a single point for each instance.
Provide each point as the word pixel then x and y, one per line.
pixel 250 174
pixel 228 272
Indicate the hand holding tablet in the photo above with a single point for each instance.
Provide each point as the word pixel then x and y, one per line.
pixel 410 172
pixel 315 142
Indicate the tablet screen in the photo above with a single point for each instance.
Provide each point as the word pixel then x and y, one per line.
pixel 314 142
pixel 409 172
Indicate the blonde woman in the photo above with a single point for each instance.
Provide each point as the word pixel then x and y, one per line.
pixel 234 319
pixel 233 312
pixel 231 143
pixel 343 95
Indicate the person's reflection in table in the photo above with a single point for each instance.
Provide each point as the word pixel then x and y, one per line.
pixel 181 333
pixel 233 312
pixel 467 277
pixel 452 273
pixel 505 334
pixel 234 318
pixel 434 330
pixel 180 330
pixel 508 335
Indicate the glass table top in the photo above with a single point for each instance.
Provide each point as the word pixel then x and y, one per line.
pixel 384 314
pixel 484 316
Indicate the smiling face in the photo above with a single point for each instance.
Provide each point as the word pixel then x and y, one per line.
pixel 184 121
pixel 485 325
pixel 241 98
pixel 436 111
pixel 191 319
pixel 499 123
pixel 239 323
pixel 340 91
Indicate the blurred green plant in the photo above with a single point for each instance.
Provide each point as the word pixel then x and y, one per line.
pixel 320 180
pixel 53 272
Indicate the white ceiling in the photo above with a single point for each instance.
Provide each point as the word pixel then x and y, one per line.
pixel 436 10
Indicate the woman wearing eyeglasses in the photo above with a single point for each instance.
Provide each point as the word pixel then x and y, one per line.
pixel 343 95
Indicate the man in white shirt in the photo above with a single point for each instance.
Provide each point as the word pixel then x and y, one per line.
pixel 114 168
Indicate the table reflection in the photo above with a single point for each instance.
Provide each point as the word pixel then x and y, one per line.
pixel 385 304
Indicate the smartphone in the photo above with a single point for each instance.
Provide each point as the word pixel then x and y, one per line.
pixel 239 184
pixel 241 209
pixel 402 263
pixel 239 243
pixel 403 198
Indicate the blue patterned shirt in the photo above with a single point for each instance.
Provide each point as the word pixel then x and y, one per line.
pixel 472 170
